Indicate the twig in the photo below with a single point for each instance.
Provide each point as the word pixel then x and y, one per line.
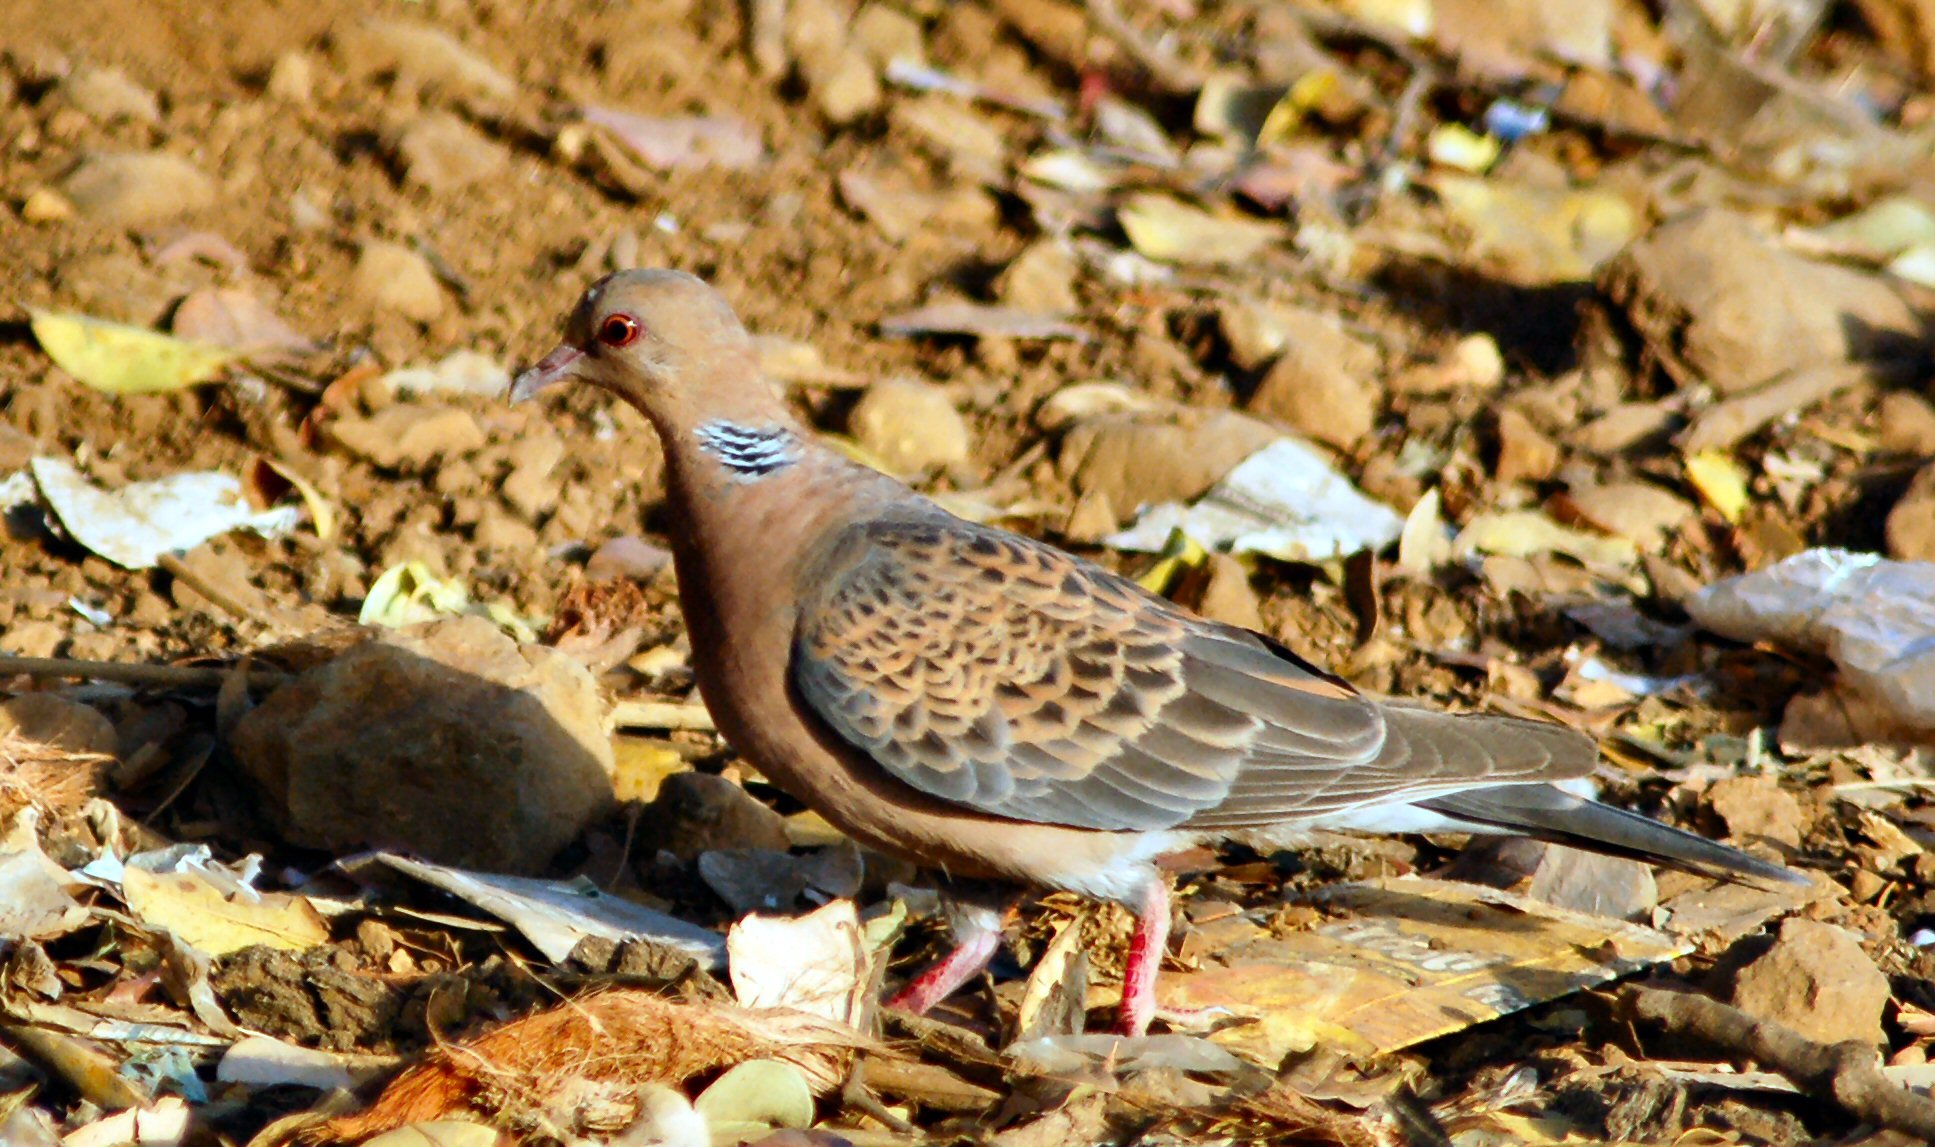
pixel 636 714
pixel 1161 64
pixel 227 602
pixel 134 673
pixel 1844 1072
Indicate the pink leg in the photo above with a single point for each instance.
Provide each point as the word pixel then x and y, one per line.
pixel 1146 949
pixel 943 977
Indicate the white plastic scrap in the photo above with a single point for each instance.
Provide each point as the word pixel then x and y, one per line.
pixel 1874 617
pixel 133 526
pixel 1283 501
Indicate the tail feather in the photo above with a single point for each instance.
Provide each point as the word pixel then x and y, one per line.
pixel 1548 813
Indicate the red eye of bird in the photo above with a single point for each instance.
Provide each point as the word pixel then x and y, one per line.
pixel 618 330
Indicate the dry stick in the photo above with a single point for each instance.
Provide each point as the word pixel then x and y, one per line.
pixel 644 714
pixel 132 673
pixel 1162 65
pixel 1844 1072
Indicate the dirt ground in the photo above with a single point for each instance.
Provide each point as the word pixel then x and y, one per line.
pixel 1602 330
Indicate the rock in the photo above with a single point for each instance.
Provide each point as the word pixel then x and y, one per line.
pixel 1640 512
pixel 1907 423
pixel 292 78
pixel 126 189
pixel 1041 279
pixel 424 59
pixel 884 34
pixel 1323 384
pixel 841 81
pixel 1228 596
pixel 1141 458
pixel 406 436
pixel 49 719
pixel 1623 426
pixel 1473 363
pixel 505 534
pixel 33 638
pixel 700 812
pixel 447 739
pixel 911 427
pixel 45 205
pixel 1590 882
pixel 1816 980
pixel 391 277
pixel 107 94
pixel 1252 332
pixel 1756 809
pixel 1717 301
pixel 440 152
pixel 1911 523
pixel 1524 455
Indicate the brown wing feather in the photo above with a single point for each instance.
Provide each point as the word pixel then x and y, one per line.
pixel 994 671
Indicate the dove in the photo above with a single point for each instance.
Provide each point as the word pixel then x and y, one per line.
pixel 1011 715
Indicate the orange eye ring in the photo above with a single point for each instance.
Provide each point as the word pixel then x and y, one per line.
pixel 618 331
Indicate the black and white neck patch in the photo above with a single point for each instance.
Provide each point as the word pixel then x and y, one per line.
pixel 750 452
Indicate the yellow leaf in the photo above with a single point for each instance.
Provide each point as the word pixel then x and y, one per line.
pixel 320 514
pixel 1170 231
pixel 201 916
pixel 1720 481
pixel 122 359
pixel 1181 553
pixel 1455 145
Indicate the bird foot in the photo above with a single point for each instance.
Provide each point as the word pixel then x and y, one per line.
pixel 945 976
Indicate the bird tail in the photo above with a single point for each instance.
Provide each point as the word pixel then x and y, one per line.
pixel 1549 813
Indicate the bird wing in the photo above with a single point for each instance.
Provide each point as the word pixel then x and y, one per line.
pixel 1001 674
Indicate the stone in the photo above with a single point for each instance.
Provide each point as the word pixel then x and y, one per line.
pixel 1755 809
pixel 695 813
pixel 1592 882
pixel 841 81
pixel 1906 422
pixel 1141 458
pixel 448 739
pixel 423 58
pixel 408 436
pixel 32 638
pixel 505 534
pixel 1524 454
pixel 50 719
pixel 1041 279
pixel 107 94
pixel 127 189
pixel 1911 523
pixel 1473 363
pixel 1623 426
pixel 1719 301
pixel 391 277
pixel 911 427
pixel 1640 512
pixel 1251 332
pixel 1323 384
pixel 292 78
pixel 885 34
pixel 225 569
pixel 1817 980
pixel 440 152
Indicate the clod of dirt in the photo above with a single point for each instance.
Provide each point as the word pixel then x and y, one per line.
pixel 1141 458
pixel 1911 524
pixel 107 94
pixel 440 152
pixel 1755 809
pixel 56 722
pixel 1718 303
pixel 910 426
pixel 699 812
pixel 1524 454
pixel 124 189
pixel 1473 363
pixel 1816 980
pixel 391 277
pixel 1228 596
pixel 292 78
pixel 225 569
pixel 408 437
pixel 1041 279
pixel 1323 384
pixel 448 739
pixel 1640 512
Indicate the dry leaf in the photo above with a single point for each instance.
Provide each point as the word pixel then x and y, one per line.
pixel 195 910
pixel 1170 231
pixel 122 359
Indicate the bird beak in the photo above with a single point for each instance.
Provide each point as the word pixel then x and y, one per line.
pixel 561 365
